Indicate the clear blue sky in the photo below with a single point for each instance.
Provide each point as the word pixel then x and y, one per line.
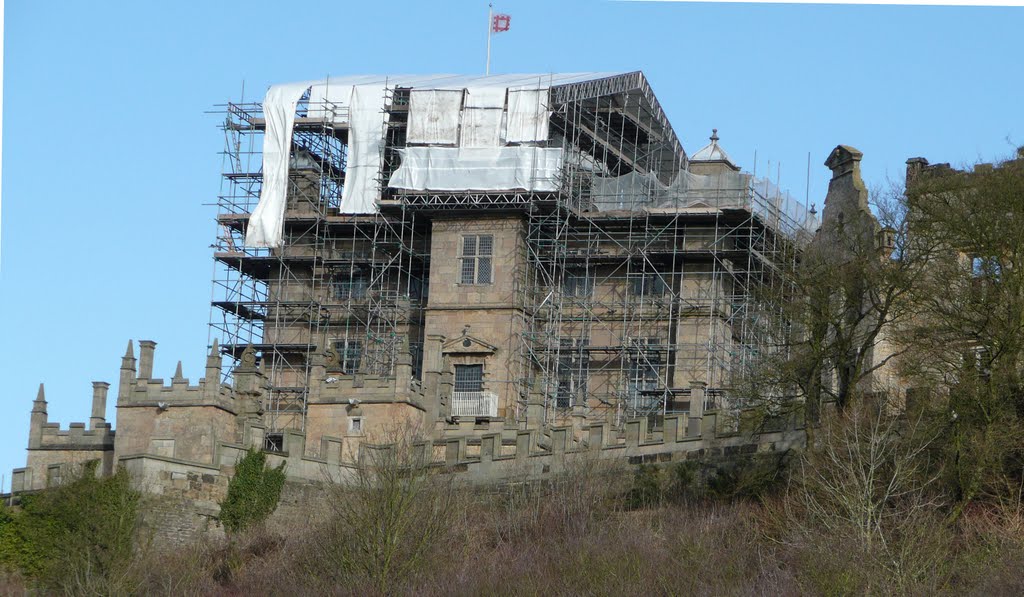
pixel 110 159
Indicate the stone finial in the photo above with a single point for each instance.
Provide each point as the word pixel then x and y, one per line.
pixel 179 377
pixel 714 136
pixel 38 420
pixel 214 355
pixel 248 359
pixel 127 379
pixel 213 366
pixel 39 404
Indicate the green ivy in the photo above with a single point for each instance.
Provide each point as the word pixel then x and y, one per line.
pixel 253 492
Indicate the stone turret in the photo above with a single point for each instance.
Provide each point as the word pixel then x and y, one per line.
pixel 39 420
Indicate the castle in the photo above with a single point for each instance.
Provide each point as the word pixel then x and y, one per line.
pixel 518 266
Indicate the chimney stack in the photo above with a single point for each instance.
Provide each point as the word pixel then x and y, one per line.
pixel 99 404
pixel 146 348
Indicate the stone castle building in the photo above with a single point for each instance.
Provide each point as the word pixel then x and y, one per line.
pixel 517 266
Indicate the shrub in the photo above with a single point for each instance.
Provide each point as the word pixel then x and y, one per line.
pixel 646 490
pixel 682 480
pixel 76 538
pixel 253 493
pixel 390 520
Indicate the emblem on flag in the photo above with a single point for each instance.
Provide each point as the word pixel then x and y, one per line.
pixel 500 22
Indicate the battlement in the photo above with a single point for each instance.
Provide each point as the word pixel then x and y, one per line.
pixel 76 437
pixel 54 453
pixel 138 387
pixel 918 169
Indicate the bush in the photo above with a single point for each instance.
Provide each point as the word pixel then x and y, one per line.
pixel 253 493
pixel 76 538
pixel 682 480
pixel 646 490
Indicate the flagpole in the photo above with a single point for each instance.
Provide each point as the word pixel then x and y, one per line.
pixel 490 26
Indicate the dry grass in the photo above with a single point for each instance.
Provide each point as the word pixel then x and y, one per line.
pixel 574 535
pixel 570 537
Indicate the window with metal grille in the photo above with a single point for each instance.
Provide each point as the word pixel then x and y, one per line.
pixel 477 253
pixel 578 283
pixel 350 354
pixel 469 378
pixel 647 285
pixel 572 371
pixel 350 285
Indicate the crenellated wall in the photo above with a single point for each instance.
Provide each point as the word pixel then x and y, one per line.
pixel 180 440
pixel 177 419
pixel 55 454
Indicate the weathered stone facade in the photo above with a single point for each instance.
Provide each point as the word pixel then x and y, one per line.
pixel 508 330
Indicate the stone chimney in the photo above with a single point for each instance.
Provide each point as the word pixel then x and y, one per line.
pixel 99 404
pixel 844 160
pixel 38 420
pixel 915 166
pixel 146 349
pixel 846 203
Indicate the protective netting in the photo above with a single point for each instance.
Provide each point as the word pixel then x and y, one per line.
pixel 727 190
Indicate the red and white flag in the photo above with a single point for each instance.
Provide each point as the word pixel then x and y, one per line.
pixel 500 22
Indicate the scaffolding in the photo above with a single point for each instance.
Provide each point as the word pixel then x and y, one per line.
pixel 639 275
pixel 353 284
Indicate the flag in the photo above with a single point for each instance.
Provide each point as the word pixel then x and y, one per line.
pixel 500 22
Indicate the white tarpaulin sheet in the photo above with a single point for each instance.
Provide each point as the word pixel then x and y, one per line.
pixel 482 169
pixel 359 101
pixel 267 220
pixel 365 143
pixel 434 116
pixel 481 127
pixel 483 117
pixel 528 116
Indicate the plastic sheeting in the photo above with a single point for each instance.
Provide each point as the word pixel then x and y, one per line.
pixel 365 147
pixel 481 127
pixel 735 190
pixel 434 116
pixel 528 116
pixel 479 169
pixel 483 117
pixel 267 220
pixel 359 101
